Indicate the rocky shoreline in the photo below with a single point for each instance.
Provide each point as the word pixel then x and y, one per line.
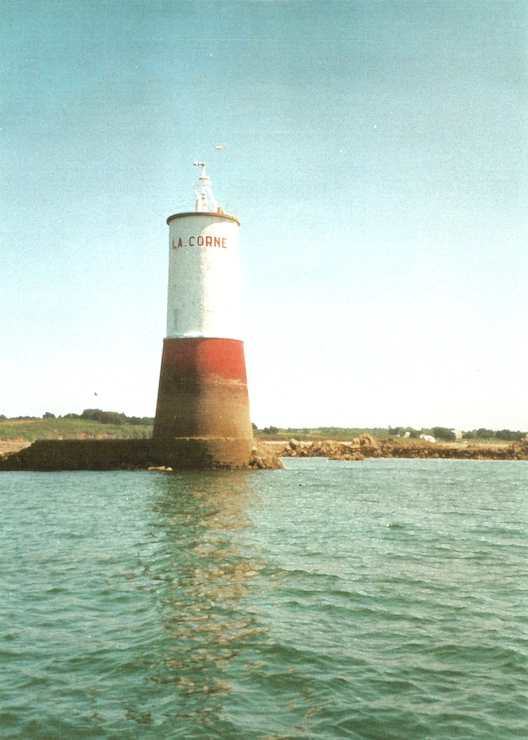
pixel 265 455
pixel 366 446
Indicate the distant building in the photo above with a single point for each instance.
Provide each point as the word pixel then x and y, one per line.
pixel 427 438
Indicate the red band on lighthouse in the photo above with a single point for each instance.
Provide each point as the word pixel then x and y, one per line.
pixel 203 389
pixel 202 358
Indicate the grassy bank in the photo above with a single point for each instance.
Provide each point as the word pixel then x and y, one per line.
pixel 32 429
pixel 306 435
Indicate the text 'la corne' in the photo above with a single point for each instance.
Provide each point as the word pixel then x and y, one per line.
pixel 201 241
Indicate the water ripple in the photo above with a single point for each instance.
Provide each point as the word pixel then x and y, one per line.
pixel 379 600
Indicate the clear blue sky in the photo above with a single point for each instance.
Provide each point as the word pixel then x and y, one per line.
pixel 377 158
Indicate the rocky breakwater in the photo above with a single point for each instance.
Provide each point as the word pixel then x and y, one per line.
pixel 366 446
pixel 357 449
pixel 455 451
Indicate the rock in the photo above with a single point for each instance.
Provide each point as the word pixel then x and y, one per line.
pixel 265 456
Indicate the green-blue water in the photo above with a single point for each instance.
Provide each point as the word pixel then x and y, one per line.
pixel 380 599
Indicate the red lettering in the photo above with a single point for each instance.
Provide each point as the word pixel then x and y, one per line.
pixel 180 243
pixel 201 241
pixel 173 244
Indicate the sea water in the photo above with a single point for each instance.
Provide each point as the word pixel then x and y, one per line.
pixel 379 599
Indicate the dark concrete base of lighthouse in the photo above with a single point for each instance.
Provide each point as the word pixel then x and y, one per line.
pixel 132 454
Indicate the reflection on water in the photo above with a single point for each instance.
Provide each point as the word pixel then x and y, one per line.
pixel 381 600
pixel 205 581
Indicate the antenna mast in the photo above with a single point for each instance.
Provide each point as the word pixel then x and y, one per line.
pixel 205 200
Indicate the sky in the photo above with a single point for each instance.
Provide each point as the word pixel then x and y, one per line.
pixel 377 157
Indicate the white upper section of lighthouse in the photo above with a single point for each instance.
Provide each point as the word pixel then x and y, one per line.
pixel 204 296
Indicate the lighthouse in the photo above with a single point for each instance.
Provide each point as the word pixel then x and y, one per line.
pixel 203 395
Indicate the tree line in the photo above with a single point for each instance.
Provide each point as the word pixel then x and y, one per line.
pixel 103 417
pixel 441 433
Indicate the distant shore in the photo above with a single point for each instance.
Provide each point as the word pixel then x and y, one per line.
pixel 367 446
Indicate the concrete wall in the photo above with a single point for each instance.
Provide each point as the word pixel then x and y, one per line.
pixel 130 454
